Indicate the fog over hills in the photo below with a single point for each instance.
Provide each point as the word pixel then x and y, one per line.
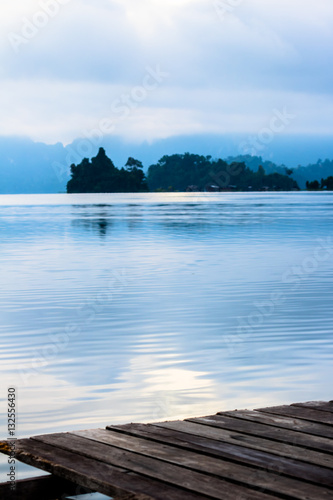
pixel 27 166
pixel 34 167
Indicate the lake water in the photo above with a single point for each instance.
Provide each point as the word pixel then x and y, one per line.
pixel 120 308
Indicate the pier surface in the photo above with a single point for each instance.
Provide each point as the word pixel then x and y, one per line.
pixel 283 452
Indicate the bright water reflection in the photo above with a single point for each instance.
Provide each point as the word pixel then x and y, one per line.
pixel 119 308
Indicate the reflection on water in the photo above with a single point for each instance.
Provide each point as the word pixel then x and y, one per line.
pixel 118 308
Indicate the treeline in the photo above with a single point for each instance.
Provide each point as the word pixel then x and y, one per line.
pixel 325 184
pixel 301 174
pixel 185 172
pixel 178 172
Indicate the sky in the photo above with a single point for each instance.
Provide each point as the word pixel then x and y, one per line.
pixel 145 70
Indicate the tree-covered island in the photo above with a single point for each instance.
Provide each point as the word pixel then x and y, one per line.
pixel 101 176
pixel 178 172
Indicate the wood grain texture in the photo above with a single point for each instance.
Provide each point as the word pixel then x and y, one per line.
pixel 267 431
pixel 95 475
pixel 234 453
pixel 282 452
pixel 317 405
pixel 261 479
pixel 184 477
pixel 310 414
pixel 213 431
pixel 284 422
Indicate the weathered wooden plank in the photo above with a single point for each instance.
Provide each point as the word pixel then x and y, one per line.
pixel 284 422
pixel 302 413
pixel 269 482
pixel 317 405
pixel 182 477
pixel 281 449
pixel 41 488
pixel 261 430
pixel 235 453
pixel 279 452
pixel 95 475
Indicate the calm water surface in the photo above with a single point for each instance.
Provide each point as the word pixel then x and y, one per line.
pixel 119 308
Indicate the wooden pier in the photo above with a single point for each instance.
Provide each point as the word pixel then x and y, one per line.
pixel 283 452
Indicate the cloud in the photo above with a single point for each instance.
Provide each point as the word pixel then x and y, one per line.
pixel 227 67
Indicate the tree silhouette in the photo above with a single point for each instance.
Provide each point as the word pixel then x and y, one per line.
pixel 101 176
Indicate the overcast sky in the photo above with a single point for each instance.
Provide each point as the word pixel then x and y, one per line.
pixel 148 69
